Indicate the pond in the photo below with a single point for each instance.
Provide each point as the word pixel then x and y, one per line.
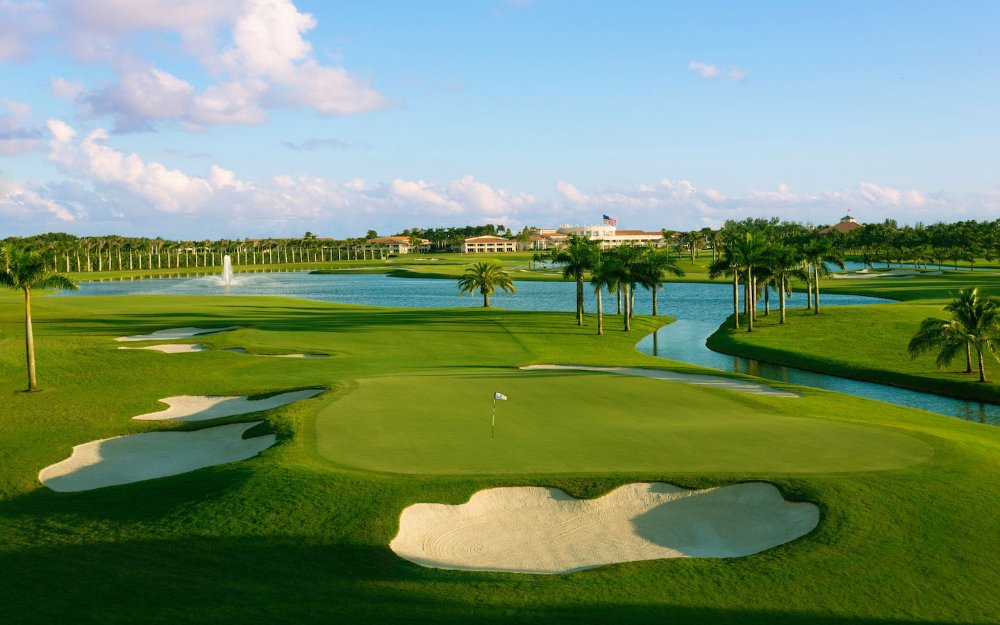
pixel 699 309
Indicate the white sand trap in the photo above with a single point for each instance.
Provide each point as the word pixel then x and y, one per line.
pixel 173 348
pixel 242 350
pixel 137 457
pixel 175 333
pixel 544 530
pixel 205 407
pixel 714 381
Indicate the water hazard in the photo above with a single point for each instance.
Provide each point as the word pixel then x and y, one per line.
pixel 699 309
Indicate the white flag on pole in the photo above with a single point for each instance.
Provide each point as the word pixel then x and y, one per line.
pixel 500 396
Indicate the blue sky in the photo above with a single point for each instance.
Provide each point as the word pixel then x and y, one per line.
pixel 272 117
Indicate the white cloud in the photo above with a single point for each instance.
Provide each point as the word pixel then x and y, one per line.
pixel 18 201
pixel 254 51
pixel 571 193
pixel 16 135
pixel 119 190
pixel 20 23
pixel 709 71
pixel 704 70
pixel 65 89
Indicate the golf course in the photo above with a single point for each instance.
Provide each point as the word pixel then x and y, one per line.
pixel 301 533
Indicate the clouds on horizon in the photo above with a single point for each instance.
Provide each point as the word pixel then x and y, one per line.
pixel 110 190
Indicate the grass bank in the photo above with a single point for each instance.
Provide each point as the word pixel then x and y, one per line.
pixel 859 342
pixel 300 534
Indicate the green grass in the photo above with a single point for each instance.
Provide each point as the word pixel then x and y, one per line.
pixel 860 342
pixel 293 537
pixel 571 422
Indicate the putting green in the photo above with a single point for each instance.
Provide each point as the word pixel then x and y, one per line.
pixel 572 422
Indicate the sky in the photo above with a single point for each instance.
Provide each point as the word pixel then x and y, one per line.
pixel 248 118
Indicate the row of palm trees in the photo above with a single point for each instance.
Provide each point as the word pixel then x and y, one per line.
pixel 765 264
pixel 114 253
pixel 618 270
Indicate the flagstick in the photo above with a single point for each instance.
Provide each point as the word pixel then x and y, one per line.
pixel 493 421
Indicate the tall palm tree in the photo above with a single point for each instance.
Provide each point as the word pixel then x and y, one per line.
pixel 784 265
pixel 975 323
pixel 750 252
pixel 486 277
pixel 577 258
pixel 602 276
pixel 817 254
pixel 26 270
pixel 727 264
pixel 623 271
pixel 654 265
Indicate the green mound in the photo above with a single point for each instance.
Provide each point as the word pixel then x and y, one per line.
pixel 571 422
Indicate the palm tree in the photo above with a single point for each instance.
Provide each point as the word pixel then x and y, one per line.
pixel 487 277
pixel 784 265
pixel 818 253
pixel 749 253
pixel 577 258
pixel 602 276
pixel 728 265
pixel 623 272
pixel 654 265
pixel 26 270
pixel 975 323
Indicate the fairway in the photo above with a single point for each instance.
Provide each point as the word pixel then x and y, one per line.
pixel 574 422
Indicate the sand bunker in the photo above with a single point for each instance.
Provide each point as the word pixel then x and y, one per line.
pixel 544 530
pixel 205 407
pixel 242 350
pixel 866 274
pixel 173 348
pixel 175 333
pixel 137 457
pixel 713 381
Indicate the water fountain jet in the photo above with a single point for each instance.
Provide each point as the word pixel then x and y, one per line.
pixel 227 270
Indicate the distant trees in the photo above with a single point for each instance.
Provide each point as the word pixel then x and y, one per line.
pixel 26 271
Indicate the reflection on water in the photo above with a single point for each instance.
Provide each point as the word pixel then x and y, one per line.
pixel 685 341
pixel 699 309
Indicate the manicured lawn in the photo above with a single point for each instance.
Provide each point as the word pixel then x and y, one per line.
pixel 862 342
pixel 293 537
pixel 569 422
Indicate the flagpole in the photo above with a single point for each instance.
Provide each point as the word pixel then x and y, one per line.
pixel 493 421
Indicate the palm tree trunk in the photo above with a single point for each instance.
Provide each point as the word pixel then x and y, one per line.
pixel 618 293
pixel 29 342
pixel 750 299
pixel 631 300
pixel 579 300
pixel 600 314
pixel 982 376
pixel 628 312
pixel 781 298
pixel 968 357
pixel 816 286
pixel 654 302
pixel 736 299
pixel 767 301
pixel 486 299
pixel 809 289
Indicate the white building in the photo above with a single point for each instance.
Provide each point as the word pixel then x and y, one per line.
pixel 396 245
pixel 609 236
pixel 488 245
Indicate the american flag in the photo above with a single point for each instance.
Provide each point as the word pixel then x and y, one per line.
pixel 611 221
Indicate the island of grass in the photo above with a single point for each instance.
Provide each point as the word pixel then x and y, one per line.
pixel 301 534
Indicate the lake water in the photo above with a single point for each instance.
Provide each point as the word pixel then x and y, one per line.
pixel 699 309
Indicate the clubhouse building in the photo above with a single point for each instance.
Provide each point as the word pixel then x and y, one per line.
pixel 547 238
